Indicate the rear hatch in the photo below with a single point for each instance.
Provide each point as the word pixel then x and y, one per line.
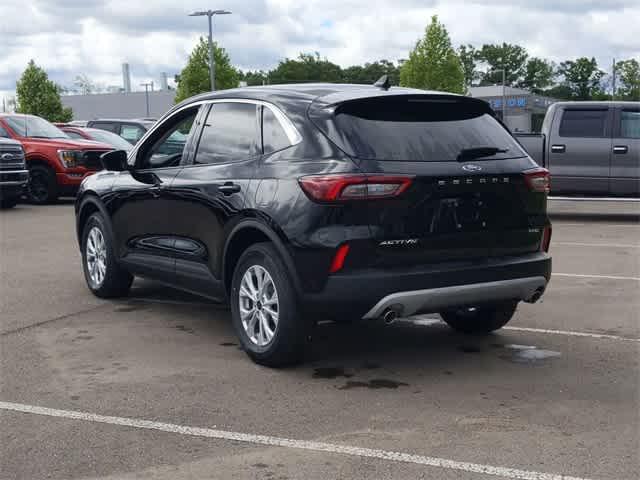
pixel 468 198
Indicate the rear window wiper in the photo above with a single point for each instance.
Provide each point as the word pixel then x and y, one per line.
pixel 475 153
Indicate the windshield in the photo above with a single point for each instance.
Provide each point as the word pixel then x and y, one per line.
pixel 109 138
pixel 34 127
pixel 419 130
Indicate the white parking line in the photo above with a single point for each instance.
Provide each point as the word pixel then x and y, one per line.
pixel 571 333
pixel 607 245
pixel 607 277
pixel 504 472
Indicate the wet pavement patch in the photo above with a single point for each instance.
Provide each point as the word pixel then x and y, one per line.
pixel 182 328
pixel 331 373
pixel 527 354
pixel 375 384
pixel 228 344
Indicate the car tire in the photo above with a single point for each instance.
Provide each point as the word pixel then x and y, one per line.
pixel 10 202
pixel 269 340
pixel 42 187
pixel 480 320
pixel 104 276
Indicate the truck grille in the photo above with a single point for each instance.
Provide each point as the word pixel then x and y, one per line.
pixel 11 158
pixel 91 160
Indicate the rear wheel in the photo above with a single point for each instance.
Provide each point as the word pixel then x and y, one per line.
pixel 105 278
pixel 265 310
pixel 8 202
pixel 42 187
pixel 479 320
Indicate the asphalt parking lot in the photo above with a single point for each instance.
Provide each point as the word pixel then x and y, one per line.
pixel 155 386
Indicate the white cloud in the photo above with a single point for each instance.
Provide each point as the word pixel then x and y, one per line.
pixel 71 37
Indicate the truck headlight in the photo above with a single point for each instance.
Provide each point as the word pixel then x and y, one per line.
pixel 70 158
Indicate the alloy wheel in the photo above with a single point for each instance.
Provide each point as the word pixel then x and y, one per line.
pixel 259 307
pixel 96 257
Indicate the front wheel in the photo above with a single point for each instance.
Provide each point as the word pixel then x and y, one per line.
pixel 479 320
pixel 265 310
pixel 105 278
pixel 42 187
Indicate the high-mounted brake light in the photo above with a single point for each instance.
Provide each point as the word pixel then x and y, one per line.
pixel 342 187
pixel 538 180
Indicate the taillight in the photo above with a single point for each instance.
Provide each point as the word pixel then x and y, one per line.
pixel 341 187
pixel 339 258
pixel 546 239
pixel 538 180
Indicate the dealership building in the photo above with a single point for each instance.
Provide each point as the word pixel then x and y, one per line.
pixel 524 111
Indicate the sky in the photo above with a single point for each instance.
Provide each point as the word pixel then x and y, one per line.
pixel 94 37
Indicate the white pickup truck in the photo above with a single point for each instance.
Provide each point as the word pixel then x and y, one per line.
pixel 590 148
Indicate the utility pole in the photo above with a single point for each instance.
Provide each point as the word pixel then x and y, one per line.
pixel 212 63
pixel 146 93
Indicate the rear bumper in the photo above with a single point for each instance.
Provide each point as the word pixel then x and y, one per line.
pixel 432 288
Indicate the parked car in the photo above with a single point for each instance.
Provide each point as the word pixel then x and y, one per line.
pixel 590 148
pixel 13 173
pixel 95 134
pixel 57 164
pixel 131 129
pixel 302 202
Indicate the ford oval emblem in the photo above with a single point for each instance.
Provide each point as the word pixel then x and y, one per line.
pixel 472 168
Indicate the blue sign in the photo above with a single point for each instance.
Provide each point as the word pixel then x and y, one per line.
pixel 511 102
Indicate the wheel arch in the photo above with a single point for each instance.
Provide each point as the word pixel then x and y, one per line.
pixel 246 233
pixel 87 206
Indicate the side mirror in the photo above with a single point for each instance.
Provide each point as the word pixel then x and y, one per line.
pixel 115 160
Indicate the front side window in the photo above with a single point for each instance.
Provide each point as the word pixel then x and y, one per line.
pixel 108 126
pixel 167 150
pixel 131 133
pixel 630 124
pixel 584 123
pixel 229 134
pixel 274 137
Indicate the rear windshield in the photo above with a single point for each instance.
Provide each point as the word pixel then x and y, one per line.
pixel 418 130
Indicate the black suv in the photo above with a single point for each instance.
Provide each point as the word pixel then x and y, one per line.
pixel 13 173
pixel 304 202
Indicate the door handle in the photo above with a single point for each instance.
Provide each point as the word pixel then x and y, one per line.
pixel 620 149
pixel 229 188
pixel 558 148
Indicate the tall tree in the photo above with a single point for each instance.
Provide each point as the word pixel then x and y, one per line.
pixel 194 77
pixel 37 95
pixel 306 68
pixel 582 77
pixel 433 63
pixel 370 72
pixel 538 75
pixel 511 58
pixel 628 72
pixel 468 57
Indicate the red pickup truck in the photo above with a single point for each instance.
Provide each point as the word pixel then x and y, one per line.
pixel 57 164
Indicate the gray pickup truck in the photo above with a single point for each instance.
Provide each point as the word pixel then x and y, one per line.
pixel 13 172
pixel 590 148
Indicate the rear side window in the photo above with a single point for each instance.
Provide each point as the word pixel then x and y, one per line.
pixel 108 126
pixel 274 137
pixel 630 124
pixel 230 133
pixel 418 129
pixel 131 133
pixel 73 134
pixel 584 123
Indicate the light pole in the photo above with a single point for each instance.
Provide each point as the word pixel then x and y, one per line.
pixel 504 95
pixel 212 63
pixel 146 93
